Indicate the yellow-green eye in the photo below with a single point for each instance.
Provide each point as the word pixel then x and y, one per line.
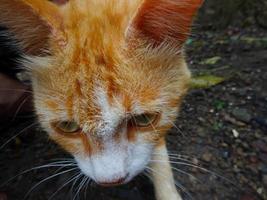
pixel 145 120
pixel 67 126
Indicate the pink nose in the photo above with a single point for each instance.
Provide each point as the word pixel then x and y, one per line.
pixel 113 183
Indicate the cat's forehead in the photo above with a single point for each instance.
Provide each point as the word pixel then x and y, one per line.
pixel 98 22
pixel 90 87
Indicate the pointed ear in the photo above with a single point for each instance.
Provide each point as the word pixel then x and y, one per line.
pixel 165 20
pixel 31 22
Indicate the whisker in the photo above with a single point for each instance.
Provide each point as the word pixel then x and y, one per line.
pixel 16 135
pixel 201 168
pixel 72 162
pixel 80 187
pixel 176 127
pixel 146 174
pixel 46 179
pixel 174 153
pixel 78 190
pixel 15 90
pixel 20 107
pixel 155 130
pixel 86 187
pixel 64 185
pixel 53 164
pixel 176 183
pixel 74 182
pixel 175 157
pixel 188 174
pixel 63 159
pixel 180 171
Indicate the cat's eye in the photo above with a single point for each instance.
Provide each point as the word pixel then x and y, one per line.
pixel 145 120
pixel 67 127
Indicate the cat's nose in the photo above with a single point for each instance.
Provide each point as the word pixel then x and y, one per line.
pixel 114 182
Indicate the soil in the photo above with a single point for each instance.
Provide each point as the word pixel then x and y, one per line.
pixel 222 129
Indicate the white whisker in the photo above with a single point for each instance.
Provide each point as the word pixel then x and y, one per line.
pixel 176 183
pixel 22 131
pixel 46 179
pixel 74 183
pixel 68 182
pixel 86 187
pixel 198 167
pixel 54 164
pixel 80 187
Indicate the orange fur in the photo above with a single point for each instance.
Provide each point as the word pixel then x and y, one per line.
pixel 52 105
pixel 100 63
pixel 105 43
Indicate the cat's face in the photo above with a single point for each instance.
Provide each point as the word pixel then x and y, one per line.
pixel 111 85
pixel 109 115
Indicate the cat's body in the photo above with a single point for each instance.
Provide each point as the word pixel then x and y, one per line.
pixel 108 77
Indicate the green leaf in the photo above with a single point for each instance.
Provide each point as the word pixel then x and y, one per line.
pixel 254 40
pixel 189 41
pixel 211 61
pixel 205 81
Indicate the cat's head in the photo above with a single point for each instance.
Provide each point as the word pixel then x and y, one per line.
pixel 108 76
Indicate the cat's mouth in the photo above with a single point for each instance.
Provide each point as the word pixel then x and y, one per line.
pixel 114 183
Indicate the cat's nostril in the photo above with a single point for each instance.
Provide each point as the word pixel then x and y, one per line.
pixel 114 182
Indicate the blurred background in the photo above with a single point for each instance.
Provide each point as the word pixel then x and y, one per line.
pixel 222 128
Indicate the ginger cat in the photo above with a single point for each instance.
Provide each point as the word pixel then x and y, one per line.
pixel 108 78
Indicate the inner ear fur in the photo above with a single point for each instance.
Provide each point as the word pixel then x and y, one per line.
pixel 30 22
pixel 165 20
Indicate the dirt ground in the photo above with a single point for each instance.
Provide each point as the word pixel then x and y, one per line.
pixel 222 129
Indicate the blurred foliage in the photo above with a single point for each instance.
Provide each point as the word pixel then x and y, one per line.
pixel 221 13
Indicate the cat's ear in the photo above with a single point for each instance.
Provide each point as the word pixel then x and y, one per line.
pixel 31 22
pixel 160 21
